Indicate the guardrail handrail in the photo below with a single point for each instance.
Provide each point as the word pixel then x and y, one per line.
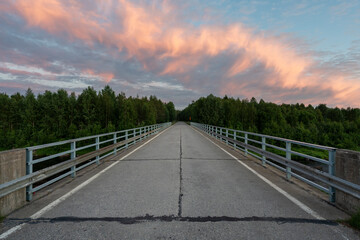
pixel 281 139
pixel 127 138
pixel 82 138
pixel 308 173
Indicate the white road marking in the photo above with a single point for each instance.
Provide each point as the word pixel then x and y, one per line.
pixel 287 195
pixel 59 200
pixel 284 193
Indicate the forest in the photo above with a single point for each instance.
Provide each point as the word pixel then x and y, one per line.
pixel 322 125
pixel 27 120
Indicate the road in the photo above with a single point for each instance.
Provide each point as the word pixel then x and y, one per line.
pixel 181 186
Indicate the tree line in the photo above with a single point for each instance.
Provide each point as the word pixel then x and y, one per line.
pixel 27 120
pixel 322 125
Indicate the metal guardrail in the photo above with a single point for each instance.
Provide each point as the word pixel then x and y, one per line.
pixel 250 144
pixel 104 144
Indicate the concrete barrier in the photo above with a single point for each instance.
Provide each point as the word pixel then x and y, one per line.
pixel 12 166
pixel 348 167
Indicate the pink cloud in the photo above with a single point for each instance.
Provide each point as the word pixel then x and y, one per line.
pixel 154 32
pixel 19 72
pixel 105 76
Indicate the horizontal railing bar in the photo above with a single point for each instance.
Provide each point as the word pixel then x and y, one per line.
pixel 123 136
pixel 322 188
pixel 69 151
pixel 121 148
pixel 87 146
pixel 81 139
pixel 255 141
pixel 328 182
pixel 107 154
pixel 51 181
pixel 298 177
pixel 77 169
pixel 87 164
pixel 51 156
pixel 280 139
pixel 311 157
pixel 254 155
pixel 319 175
pixel 242 149
pixel 293 152
pixel 275 165
pixel 276 147
pixel 42 174
pixel 48 172
pixel 106 141
pixel 324 177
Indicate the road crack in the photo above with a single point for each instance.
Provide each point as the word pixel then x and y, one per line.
pixel 172 218
pixel 181 182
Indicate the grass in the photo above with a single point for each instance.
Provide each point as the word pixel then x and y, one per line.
pixel 2 218
pixel 354 221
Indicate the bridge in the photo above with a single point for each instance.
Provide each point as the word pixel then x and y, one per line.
pixel 180 182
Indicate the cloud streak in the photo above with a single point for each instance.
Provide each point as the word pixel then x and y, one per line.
pixel 230 59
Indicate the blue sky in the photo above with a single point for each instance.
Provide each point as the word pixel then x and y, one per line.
pixel 280 51
pixel 328 25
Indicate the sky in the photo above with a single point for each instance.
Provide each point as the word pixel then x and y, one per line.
pixel 279 51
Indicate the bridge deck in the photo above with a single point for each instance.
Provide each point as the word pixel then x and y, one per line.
pixel 180 186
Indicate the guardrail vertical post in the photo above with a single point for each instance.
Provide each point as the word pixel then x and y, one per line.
pixel 235 139
pixel 288 156
pixel 72 156
pixel 29 170
pixel 97 147
pixel 227 135
pixel 263 146
pixel 140 132
pixel 332 172
pixel 221 132
pixel 115 140
pixel 246 142
pixel 126 138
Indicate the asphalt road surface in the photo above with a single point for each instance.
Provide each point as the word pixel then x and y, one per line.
pixel 181 186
